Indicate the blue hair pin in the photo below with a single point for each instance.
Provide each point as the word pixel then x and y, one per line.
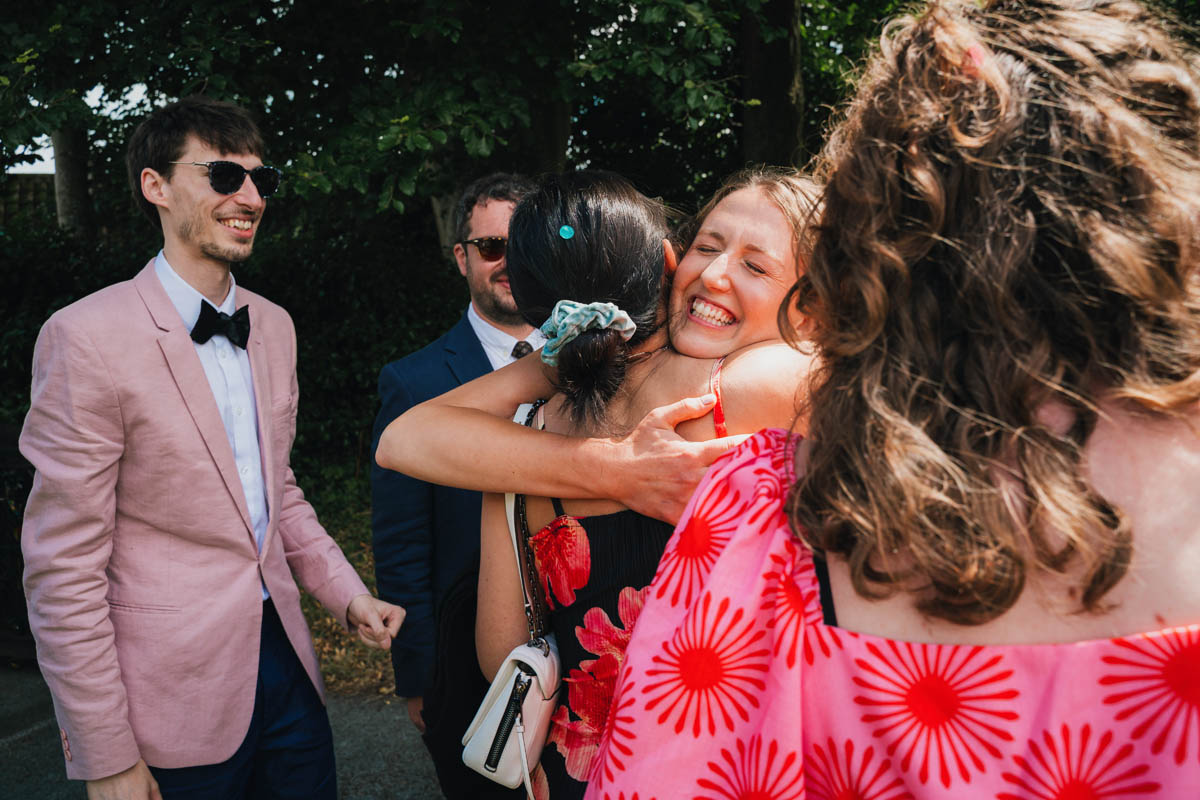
pixel 566 231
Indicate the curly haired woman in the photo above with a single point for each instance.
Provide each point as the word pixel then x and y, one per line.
pixel 977 577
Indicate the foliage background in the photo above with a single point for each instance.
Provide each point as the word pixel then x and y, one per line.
pixel 378 110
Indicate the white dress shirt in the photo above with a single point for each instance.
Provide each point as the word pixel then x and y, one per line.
pixel 496 343
pixel 227 368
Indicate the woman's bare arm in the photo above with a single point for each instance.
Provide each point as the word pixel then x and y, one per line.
pixel 466 438
pixel 500 613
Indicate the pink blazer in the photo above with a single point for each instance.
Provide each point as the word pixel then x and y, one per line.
pixel 141 570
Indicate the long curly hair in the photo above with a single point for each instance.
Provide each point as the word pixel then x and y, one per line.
pixel 1010 236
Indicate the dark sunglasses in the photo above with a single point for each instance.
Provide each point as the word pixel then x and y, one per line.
pixel 226 177
pixel 491 248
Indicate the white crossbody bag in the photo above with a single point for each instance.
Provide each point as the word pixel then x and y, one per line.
pixel 504 741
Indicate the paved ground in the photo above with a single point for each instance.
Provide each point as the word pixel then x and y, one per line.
pixel 379 754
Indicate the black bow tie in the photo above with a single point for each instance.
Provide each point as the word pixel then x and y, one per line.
pixel 521 349
pixel 235 327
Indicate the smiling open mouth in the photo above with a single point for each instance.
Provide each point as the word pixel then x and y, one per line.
pixel 707 312
pixel 238 224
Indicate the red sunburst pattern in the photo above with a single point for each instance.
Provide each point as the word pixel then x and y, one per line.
pixel 771 477
pixel 778 445
pixel 1159 680
pixel 564 559
pixel 833 774
pixel 792 598
pixel 752 774
pixel 938 704
pixel 1086 769
pixel 692 553
pixel 713 665
pixel 615 748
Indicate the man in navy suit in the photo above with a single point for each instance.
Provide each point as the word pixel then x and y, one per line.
pixel 425 535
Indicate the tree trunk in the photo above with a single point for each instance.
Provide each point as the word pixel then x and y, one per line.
pixel 71 198
pixel 550 130
pixel 443 218
pixel 772 86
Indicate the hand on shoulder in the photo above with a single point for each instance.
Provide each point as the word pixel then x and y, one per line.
pixel 657 468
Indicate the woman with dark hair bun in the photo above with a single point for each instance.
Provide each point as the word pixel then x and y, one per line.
pixel 740 254
pixel 977 576
pixel 588 256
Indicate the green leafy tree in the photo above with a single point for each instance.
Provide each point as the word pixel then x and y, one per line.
pixel 379 109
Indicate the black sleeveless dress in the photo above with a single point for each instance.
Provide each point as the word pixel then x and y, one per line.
pixel 594 572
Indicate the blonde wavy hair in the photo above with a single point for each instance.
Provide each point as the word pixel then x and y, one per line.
pixel 796 194
pixel 1011 224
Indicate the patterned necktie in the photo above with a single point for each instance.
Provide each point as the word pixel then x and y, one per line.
pixel 521 349
pixel 235 327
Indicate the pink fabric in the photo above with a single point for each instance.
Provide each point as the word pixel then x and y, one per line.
pixel 141 568
pixel 733 687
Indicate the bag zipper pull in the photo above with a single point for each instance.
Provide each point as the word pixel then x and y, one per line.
pixel 511 712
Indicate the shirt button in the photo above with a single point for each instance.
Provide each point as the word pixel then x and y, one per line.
pixel 237 411
pixel 244 470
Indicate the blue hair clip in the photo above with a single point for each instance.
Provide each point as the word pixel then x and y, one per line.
pixel 566 231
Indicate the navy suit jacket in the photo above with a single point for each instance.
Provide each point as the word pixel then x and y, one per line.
pixel 423 534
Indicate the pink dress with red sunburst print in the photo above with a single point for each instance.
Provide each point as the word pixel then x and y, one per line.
pixel 733 685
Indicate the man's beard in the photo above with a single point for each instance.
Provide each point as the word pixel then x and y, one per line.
pixel 225 253
pixel 496 308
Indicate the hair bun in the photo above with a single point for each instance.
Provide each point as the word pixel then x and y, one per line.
pixel 591 368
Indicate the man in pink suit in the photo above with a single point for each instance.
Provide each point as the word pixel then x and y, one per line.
pixel 165 532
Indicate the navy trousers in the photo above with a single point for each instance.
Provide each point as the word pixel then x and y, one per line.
pixel 287 753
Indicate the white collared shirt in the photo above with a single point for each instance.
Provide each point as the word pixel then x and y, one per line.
pixel 496 343
pixel 227 368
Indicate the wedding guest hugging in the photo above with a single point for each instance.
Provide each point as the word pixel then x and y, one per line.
pixel 588 254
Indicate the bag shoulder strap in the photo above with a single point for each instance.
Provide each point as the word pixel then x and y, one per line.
pixel 530 415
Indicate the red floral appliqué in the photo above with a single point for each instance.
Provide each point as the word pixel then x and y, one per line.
pixel 694 549
pixel 1160 688
pixel 937 703
pixel 751 774
pixel 579 733
pixel 831 774
pixel 590 688
pixel 598 635
pixel 563 558
pixel 1085 770
pixel 793 597
pixel 712 665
